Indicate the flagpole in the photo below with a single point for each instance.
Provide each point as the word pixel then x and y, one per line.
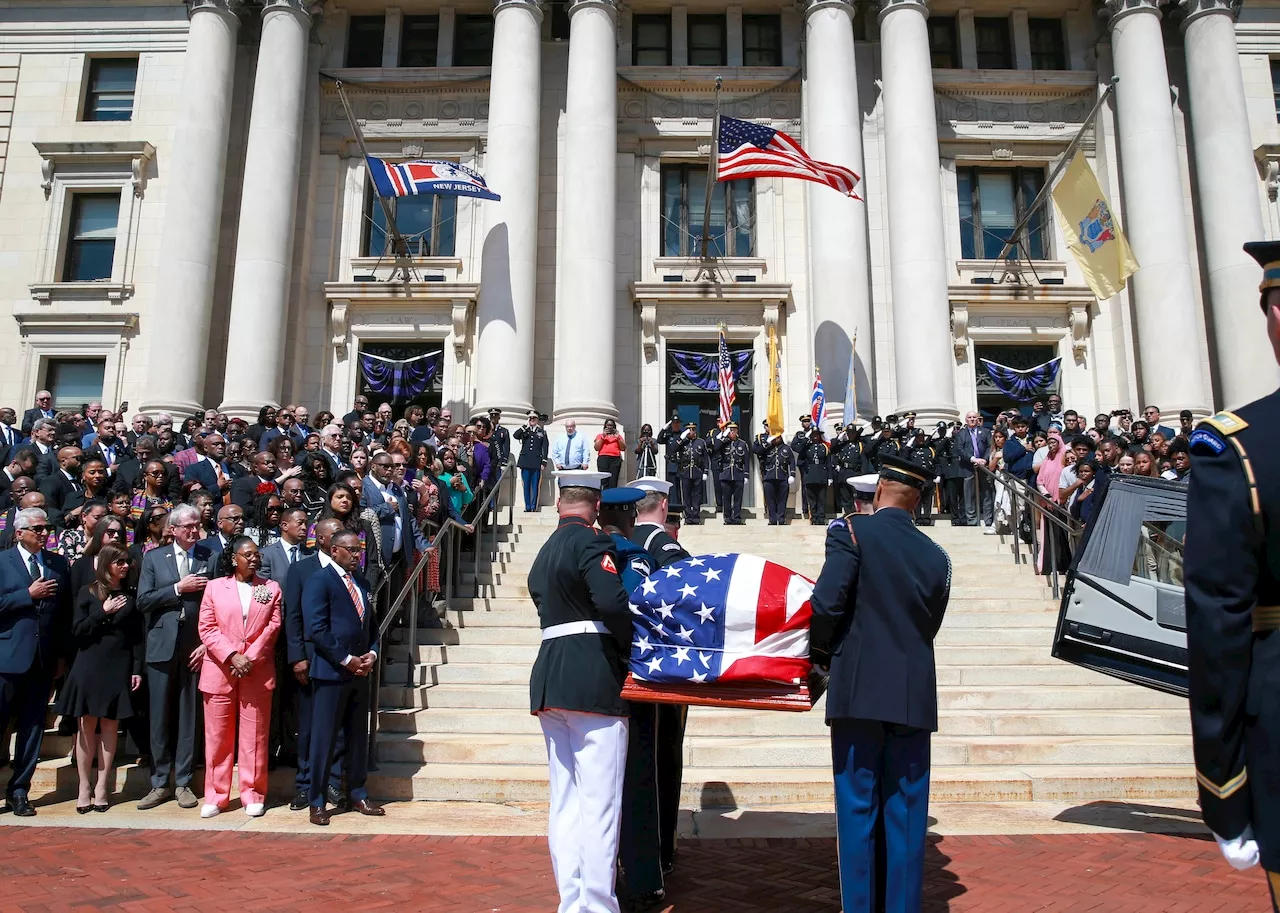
pixel 712 164
pixel 398 244
pixel 1057 170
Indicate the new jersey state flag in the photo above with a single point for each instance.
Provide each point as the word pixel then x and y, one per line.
pixel 721 618
pixel 1091 230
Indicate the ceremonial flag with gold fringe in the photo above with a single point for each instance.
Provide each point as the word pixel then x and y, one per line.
pixel 1091 230
pixel 776 423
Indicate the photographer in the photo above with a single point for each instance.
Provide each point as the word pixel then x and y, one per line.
pixel 646 453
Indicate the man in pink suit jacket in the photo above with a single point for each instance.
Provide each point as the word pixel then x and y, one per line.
pixel 237 679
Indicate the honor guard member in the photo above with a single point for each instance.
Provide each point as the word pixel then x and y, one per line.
pixel 847 462
pixel 799 444
pixel 499 440
pixel 713 439
pixel 533 455
pixel 817 475
pixel 883 445
pixel 777 471
pixel 1232 580
pixel 877 606
pixel 735 458
pixel 693 466
pixel 669 439
pixel 638 848
pixel 575 691
pixel 657 539
pixel 920 450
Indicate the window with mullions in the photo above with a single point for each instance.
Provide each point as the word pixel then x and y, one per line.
pixel 112 85
pixel 91 237
pixel 651 40
pixel 1048 49
pixel 733 214
pixel 707 41
pixel 419 39
pixel 992 202
pixel 762 41
pixel 995 46
pixel 428 224
pixel 944 42
pixel 473 41
pixel 364 41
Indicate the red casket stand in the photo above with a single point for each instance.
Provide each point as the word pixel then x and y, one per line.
pixel 795 697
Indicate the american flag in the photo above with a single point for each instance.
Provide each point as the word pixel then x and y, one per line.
pixel 721 618
pixel 728 390
pixel 404 179
pixel 818 403
pixel 748 150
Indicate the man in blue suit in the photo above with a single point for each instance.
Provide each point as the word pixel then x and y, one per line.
pixel 211 470
pixel 877 605
pixel 338 612
pixel 35 618
pixel 400 535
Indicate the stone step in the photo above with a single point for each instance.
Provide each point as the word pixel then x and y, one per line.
pixel 517 588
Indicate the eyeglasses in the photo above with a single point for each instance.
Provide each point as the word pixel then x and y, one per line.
pixel 180 525
pixel 355 550
pixel 39 528
pixel 113 533
pixel 120 562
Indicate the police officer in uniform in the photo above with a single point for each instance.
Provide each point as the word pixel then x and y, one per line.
pixel 847 462
pixel 693 467
pixel 1232 579
pixel 714 439
pixel 877 606
pixel 651 532
pixel 920 450
pixel 777 471
pixel 575 691
pixel 799 444
pixel 669 439
pixel 817 476
pixel 735 457
pixel 885 444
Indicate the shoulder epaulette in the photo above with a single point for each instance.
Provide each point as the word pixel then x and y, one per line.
pixel 1227 423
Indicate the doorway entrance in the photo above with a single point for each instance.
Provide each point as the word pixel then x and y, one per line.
pixel 694 395
pixel 996 394
pixel 401 374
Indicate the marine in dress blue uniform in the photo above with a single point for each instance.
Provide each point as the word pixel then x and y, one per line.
pixel 1231 571
pixel 877 606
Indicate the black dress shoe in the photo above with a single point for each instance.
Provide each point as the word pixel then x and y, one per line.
pixel 642 903
pixel 336 798
pixel 21 807
pixel 319 817
pixel 365 807
pixel 299 801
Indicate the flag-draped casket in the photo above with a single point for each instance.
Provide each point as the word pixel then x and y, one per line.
pixel 724 630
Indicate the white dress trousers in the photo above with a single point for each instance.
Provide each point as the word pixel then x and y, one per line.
pixel 587 756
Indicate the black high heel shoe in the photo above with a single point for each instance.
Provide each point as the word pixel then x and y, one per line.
pixel 100 808
pixel 83 809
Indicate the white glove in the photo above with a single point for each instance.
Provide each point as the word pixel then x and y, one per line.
pixel 1241 852
pixel 828 482
pixel 704 477
pixel 791 480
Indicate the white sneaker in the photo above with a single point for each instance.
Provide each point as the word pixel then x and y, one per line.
pixel 210 811
pixel 255 809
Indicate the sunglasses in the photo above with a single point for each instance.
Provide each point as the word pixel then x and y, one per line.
pixel 39 528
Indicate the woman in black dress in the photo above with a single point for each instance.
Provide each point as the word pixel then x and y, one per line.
pixel 110 530
pixel 108 631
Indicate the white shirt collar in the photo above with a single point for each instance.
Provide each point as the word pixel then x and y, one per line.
pixel 27 556
pixel 325 560
pixel 179 551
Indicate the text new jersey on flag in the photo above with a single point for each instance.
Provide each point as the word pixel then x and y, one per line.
pixel 405 179
pixel 721 618
pixel 748 150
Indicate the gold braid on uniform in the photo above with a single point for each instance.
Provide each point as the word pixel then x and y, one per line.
pixel 1226 790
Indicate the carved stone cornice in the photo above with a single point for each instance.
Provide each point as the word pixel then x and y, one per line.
pixel 1195 9
pixel 1115 10
pixel 1267 158
pixel 889 6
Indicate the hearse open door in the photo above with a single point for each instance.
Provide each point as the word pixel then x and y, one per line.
pixel 1123 612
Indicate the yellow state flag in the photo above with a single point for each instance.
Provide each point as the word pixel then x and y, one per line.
pixel 776 424
pixel 1091 230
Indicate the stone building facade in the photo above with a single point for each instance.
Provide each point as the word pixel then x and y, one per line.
pixel 185 217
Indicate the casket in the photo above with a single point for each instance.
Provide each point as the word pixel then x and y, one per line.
pixel 795 697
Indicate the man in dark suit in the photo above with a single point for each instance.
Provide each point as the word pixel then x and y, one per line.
pixel 245 488
pixel 22 465
pixel 230 524
pixel 277 559
pixel 10 436
pixel 400 535
pixel 211 470
pixel 107 447
pixel 129 473
pixel 35 619
pixel 971 446
pixel 63 493
pixel 338 611
pixel 43 436
pixel 169 592
pixel 299 654
pixel 877 606
pixel 42 409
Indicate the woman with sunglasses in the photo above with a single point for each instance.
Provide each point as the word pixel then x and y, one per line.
pixel 264 517
pixel 283 449
pixel 110 530
pixel 153 492
pixel 150 532
pixel 101 687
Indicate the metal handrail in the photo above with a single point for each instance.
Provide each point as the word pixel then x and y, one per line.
pixel 409 592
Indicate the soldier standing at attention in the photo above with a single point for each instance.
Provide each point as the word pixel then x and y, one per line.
pixel 575 691
pixel 847 462
pixel 799 444
pixel 1232 582
pixel 669 439
pixel 693 467
pixel 920 450
pixel 735 457
pixel 714 439
pixel 817 476
pixel 877 606
pixel 777 471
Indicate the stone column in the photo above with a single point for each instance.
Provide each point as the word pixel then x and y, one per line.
pixel 840 293
pixel 586 313
pixel 1170 360
pixel 509 257
pixel 1228 199
pixel 196 173
pixel 264 244
pixel 924 363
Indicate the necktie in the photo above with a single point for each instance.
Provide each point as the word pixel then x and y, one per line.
pixel 355 596
pixel 293 553
pixel 34 567
pixel 184 565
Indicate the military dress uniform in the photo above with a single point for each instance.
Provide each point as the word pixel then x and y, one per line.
pixel 777 469
pixel 735 457
pixel 533 454
pixel 817 479
pixel 669 440
pixel 713 440
pixel 1231 572
pixel 877 606
pixel 575 691
pixel 692 466
pixel 923 453
pixel 847 462
pixel 799 443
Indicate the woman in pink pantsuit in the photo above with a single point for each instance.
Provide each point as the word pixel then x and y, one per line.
pixel 239 620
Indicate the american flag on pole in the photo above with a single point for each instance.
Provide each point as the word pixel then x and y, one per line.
pixel 728 389
pixel 721 618
pixel 748 150
pixel 404 179
pixel 818 403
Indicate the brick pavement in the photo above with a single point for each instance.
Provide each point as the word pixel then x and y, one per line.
pixel 53 869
